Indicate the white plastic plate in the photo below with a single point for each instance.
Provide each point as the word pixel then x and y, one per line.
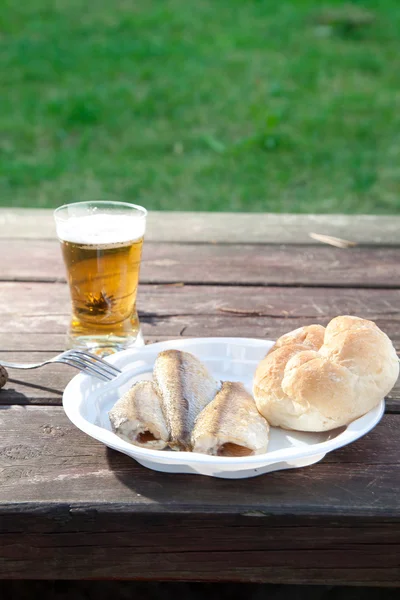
pixel 87 401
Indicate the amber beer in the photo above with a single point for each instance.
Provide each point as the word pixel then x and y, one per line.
pixel 102 255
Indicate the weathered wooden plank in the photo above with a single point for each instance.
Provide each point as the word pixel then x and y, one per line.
pixel 31 260
pixel 28 342
pixel 271 265
pixel 162 328
pixel 209 227
pixel 241 326
pixel 22 334
pixel 116 555
pixel 318 303
pixel 51 301
pixel 224 264
pixel 53 455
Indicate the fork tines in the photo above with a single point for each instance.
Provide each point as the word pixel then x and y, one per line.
pixel 91 363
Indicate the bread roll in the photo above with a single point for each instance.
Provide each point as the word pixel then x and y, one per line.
pixel 317 379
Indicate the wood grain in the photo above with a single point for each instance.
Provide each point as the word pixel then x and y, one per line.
pixel 215 555
pixel 69 507
pixel 53 455
pixel 271 265
pixel 51 301
pixel 224 264
pixel 26 334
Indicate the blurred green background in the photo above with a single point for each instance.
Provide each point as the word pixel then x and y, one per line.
pixel 244 105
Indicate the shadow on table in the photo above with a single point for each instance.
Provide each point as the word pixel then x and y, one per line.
pixel 178 488
pixel 144 481
pixel 174 488
pixel 11 396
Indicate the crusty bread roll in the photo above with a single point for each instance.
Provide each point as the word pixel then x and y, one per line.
pixel 317 379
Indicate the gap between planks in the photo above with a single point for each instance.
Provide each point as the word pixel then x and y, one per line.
pixel 222 284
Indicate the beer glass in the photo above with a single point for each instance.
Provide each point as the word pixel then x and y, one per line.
pixel 101 243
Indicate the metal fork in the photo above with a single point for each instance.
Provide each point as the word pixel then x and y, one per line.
pixel 84 361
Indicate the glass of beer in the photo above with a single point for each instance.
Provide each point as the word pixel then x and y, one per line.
pixel 101 243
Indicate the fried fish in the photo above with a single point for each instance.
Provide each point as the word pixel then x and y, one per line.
pixel 185 387
pixel 231 424
pixel 138 418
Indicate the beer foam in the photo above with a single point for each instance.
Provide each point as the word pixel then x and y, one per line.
pixel 95 230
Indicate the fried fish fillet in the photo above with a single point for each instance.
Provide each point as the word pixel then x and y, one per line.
pixel 231 424
pixel 138 418
pixel 185 387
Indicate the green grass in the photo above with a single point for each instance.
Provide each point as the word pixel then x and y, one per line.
pixel 200 105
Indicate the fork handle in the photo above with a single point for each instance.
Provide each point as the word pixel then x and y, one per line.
pixel 21 365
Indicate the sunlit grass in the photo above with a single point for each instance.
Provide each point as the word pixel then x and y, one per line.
pixel 210 105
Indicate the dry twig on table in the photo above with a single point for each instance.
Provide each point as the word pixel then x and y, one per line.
pixel 332 241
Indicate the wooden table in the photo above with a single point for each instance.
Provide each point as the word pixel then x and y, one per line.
pixel 72 509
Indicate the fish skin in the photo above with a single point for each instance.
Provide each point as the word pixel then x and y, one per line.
pixel 185 387
pixel 139 411
pixel 229 421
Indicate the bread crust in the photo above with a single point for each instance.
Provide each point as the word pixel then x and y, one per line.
pixel 317 379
